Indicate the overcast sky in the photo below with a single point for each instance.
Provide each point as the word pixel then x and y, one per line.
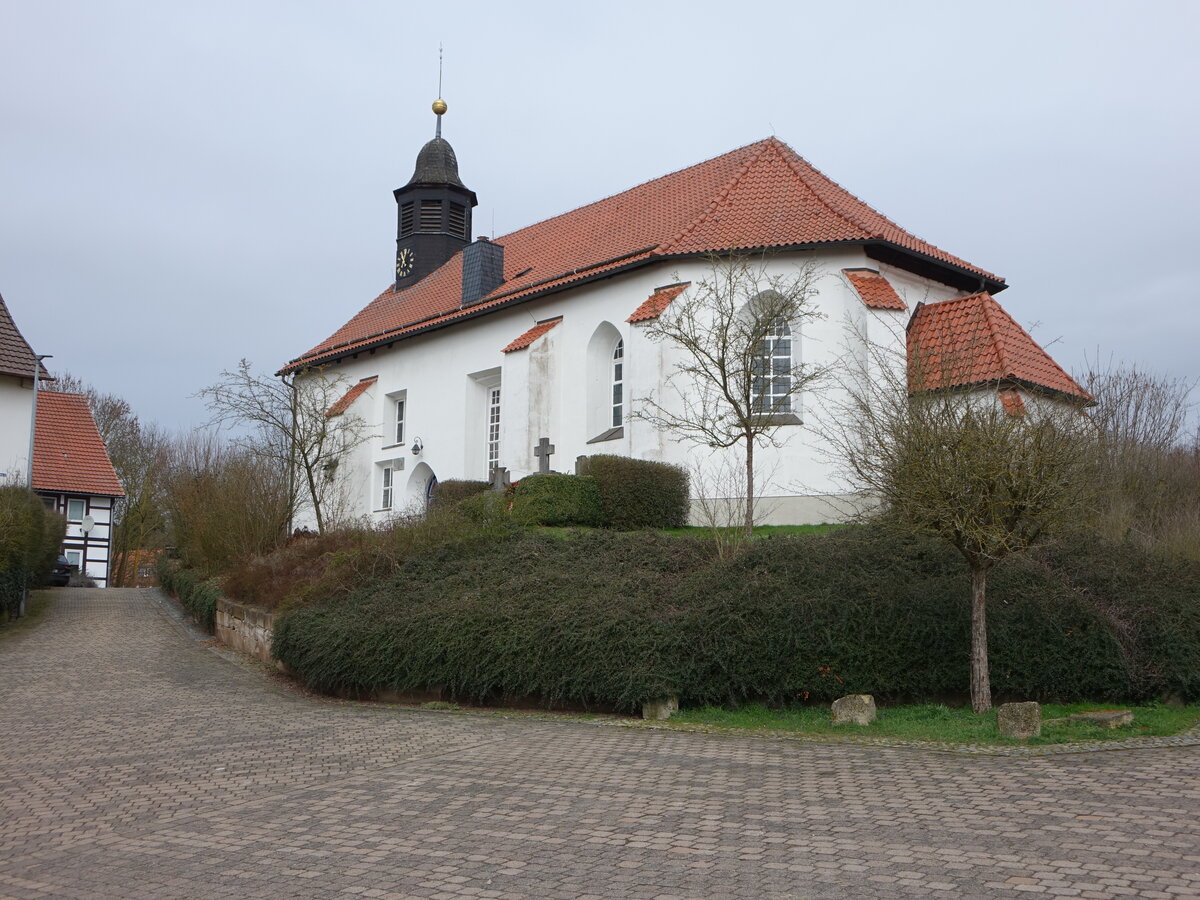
pixel 184 185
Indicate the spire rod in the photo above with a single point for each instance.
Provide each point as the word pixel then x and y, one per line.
pixel 439 100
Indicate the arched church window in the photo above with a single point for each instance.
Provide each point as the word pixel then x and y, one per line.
pixel 618 383
pixel 771 370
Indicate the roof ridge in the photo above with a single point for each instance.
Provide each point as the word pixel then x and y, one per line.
pixel 1007 315
pixel 791 158
pixel 997 338
pixel 640 184
pixel 717 199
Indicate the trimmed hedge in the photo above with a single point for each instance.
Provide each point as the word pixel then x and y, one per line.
pixel 556 500
pixel 198 595
pixel 454 490
pixel 31 539
pixel 638 493
pixel 616 619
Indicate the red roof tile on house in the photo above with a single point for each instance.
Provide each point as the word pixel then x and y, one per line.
pixel 69 455
pixel 656 304
pixel 16 356
pixel 972 340
pixel 873 289
pixel 760 196
pixel 532 335
pixel 348 398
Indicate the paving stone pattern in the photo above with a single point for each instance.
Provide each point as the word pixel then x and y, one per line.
pixel 139 762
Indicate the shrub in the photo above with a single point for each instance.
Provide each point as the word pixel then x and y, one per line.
pixel 638 493
pixel 197 594
pixel 453 490
pixel 617 619
pixel 556 500
pixel 31 539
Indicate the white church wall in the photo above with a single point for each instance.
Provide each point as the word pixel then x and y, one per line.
pixel 554 388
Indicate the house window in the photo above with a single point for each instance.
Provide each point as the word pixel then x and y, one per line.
pixel 431 215
pixel 618 383
pixel 385 502
pixel 74 558
pixel 493 429
pixel 75 510
pixel 771 370
pixel 400 421
pixel 406 218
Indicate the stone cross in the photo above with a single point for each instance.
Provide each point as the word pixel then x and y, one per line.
pixel 500 479
pixel 542 451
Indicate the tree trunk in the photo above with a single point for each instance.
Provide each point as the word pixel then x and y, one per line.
pixel 749 525
pixel 981 685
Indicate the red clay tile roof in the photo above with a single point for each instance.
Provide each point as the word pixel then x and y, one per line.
pixel 532 335
pixel 69 455
pixel 972 340
pixel 873 289
pixel 656 304
pixel 1012 402
pixel 349 397
pixel 16 356
pixel 759 196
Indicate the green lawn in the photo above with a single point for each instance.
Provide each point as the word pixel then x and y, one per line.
pixel 933 722
pixel 39 602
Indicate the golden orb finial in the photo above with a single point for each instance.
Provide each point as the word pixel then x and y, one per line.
pixel 439 107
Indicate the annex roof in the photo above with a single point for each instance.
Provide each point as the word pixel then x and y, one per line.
pixel 971 340
pixel 16 356
pixel 656 304
pixel 761 196
pixel 875 291
pixel 69 455
pixel 532 335
pixel 347 399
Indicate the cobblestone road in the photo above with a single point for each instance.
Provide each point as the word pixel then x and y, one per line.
pixel 137 762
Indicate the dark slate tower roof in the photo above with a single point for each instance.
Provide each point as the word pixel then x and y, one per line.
pixel 436 164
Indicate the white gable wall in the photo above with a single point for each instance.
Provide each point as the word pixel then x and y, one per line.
pixel 559 387
pixel 16 408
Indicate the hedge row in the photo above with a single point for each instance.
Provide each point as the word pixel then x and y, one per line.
pixel 31 539
pixel 617 619
pixel 638 493
pixel 197 594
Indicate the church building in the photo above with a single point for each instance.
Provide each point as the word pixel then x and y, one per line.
pixel 496 352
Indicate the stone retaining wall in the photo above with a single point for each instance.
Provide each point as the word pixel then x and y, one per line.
pixel 248 629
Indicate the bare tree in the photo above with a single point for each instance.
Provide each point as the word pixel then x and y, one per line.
pixel 956 464
pixel 292 421
pixel 739 375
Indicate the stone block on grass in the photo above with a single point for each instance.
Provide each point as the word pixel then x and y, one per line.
pixel 660 709
pixel 1105 718
pixel 856 708
pixel 1019 720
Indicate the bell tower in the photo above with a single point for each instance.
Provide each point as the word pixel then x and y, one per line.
pixel 434 210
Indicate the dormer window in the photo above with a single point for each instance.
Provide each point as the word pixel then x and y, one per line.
pixel 431 215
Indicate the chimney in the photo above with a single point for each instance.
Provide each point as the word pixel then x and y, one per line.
pixel 483 270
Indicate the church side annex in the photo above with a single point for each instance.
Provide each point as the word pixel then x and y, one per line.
pixel 480 349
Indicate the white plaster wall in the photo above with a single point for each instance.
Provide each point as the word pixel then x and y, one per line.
pixel 545 388
pixel 16 407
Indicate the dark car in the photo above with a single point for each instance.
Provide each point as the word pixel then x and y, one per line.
pixel 62 572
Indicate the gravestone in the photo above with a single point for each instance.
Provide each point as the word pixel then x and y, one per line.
pixel 543 451
pixel 500 479
pixel 1019 720
pixel 856 708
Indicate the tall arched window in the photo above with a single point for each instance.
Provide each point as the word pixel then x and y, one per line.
pixel 618 383
pixel 771 370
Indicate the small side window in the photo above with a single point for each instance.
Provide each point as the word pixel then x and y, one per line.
pixel 386 499
pixel 76 510
pixel 400 421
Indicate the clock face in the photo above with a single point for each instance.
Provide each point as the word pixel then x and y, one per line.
pixel 404 262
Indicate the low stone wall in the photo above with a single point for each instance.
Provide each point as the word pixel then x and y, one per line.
pixel 247 629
